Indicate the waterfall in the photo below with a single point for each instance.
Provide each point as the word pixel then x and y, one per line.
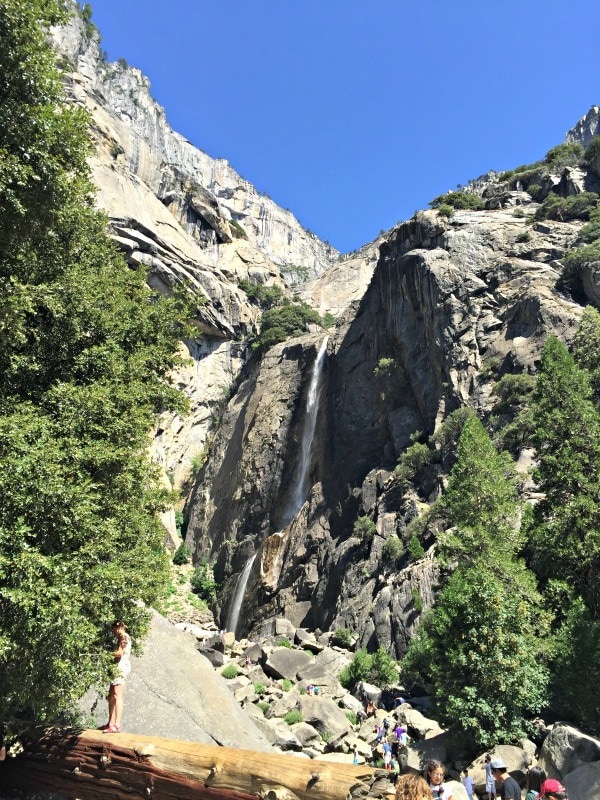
pixel 299 480
pixel 238 597
pixel 300 477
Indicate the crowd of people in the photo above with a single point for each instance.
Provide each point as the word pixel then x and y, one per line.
pixel 498 784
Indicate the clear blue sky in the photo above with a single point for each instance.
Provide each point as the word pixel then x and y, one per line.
pixel 354 114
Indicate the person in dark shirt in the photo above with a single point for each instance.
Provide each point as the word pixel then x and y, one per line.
pixel 509 788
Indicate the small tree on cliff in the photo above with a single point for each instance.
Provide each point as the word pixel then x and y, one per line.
pixel 85 350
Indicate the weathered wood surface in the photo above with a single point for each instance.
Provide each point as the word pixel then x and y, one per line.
pixel 90 765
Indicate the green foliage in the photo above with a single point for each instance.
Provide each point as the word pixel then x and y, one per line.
pixel 393 549
pixel 385 368
pixel 264 707
pixel 203 582
pixel 445 210
pixel 85 351
pixel 378 668
pixel 586 348
pixel 198 461
pixel 480 500
pixel 259 688
pixel 283 641
pixel 592 155
pixel 264 296
pixel 524 236
pixel 578 206
pixel 512 414
pixel 297 272
pixel 591 230
pixel 286 684
pixel 577 654
pixel 478 653
pixel 565 526
pixel 281 323
pixel 182 554
pixel 229 672
pixel 458 200
pixel 568 154
pixel 293 717
pixel 417 600
pixel 342 638
pixel 414 458
pixel 351 717
pixel 478 650
pixel 364 529
pixel 415 548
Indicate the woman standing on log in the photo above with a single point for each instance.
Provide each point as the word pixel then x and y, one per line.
pixel 122 656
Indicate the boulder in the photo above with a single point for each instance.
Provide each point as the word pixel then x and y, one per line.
pixel 305 733
pixel 283 662
pixel 584 782
pixel 418 725
pixel 565 749
pixel 173 691
pixel 323 714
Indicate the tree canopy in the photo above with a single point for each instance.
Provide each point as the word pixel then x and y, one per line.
pixel 85 352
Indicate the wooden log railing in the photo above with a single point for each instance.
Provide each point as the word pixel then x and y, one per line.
pixel 90 765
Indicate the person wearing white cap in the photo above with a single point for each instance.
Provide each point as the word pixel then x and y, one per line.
pixel 509 788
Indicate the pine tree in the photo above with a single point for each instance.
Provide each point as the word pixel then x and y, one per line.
pixel 85 349
pixel 565 530
pixel 477 650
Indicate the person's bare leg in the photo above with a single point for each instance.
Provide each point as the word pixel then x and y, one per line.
pixel 112 703
pixel 118 712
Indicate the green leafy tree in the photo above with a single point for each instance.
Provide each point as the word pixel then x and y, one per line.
pixel 478 650
pixel 480 500
pixel 592 155
pixel 85 349
pixel 565 529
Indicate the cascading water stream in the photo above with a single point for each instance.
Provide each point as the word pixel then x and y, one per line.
pixel 299 479
pixel 238 598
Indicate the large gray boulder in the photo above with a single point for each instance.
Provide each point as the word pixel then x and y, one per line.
pixel 173 691
pixel 565 749
pixel 283 662
pixel 324 715
pixel 584 782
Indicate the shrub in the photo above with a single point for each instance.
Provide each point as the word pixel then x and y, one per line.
pixel 417 600
pixel 563 209
pixel 591 230
pixel 293 716
pixel 198 462
pixel 229 672
pixel 351 717
pixel 364 528
pixel 342 638
pixel 259 688
pixel 567 154
pixel 460 200
pixel 393 549
pixel 414 458
pixel 203 582
pixel 415 548
pixel 286 684
pixel 536 192
pixel 445 210
pixel 285 321
pixel 265 296
pixel 264 707
pixel 326 736
pixel 378 668
pixel 284 642
pixel 592 155
pixel 182 554
pixel 524 236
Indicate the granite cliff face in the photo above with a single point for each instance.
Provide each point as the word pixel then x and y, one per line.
pixel 428 317
pixel 452 306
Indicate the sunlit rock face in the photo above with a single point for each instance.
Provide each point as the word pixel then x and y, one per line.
pixel 451 306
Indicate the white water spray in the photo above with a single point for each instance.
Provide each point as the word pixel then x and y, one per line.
pixel 238 598
pixel 300 479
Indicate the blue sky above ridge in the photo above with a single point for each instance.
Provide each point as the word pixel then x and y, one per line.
pixel 354 114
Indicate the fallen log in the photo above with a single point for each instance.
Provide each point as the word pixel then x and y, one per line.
pixel 90 765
